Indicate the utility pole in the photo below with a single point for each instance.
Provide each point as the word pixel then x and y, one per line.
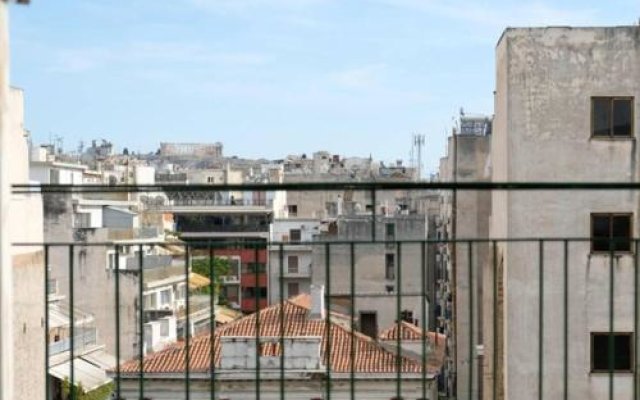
pixel 6 262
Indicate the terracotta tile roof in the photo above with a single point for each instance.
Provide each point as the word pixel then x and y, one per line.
pixel 370 357
pixel 412 333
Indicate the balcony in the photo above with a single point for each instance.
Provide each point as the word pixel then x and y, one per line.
pixel 87 338
pixel 230 279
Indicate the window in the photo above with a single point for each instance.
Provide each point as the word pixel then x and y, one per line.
pixel 610 232
pixel 253 268
pixel 293 289
pixel 293 210
pixel 250 292
pixel 292 264
pixel 295 235
pixel 164 327
pixel 111 260
pixel 611 117
pixel 369 324
pixel 620 353
pixel 390 266
pixel 165 297
pixel 150 301
pixel 390 231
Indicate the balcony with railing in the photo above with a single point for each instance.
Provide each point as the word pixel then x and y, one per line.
pixel 601 271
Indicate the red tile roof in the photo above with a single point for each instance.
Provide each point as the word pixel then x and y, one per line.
pixel 369 356
pixel 411 333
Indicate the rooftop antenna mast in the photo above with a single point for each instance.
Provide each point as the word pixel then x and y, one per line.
pixel 418 143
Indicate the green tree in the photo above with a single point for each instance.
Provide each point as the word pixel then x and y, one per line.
pixel 100 393
pixel 221 267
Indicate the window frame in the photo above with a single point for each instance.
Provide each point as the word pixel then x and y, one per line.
pixel 291 270
pixel 299 232
pixel 611 136
pixel 632 365
pixel 390 266
pixel 610 216
pixel 297 291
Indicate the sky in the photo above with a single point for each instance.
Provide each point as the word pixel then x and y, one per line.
pixel 269 78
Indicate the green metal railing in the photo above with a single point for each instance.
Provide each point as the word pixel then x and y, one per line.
pixel 328 389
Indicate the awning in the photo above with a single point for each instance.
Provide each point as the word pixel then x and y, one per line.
pixel 196 281
pixel 88 375
pixel 100 359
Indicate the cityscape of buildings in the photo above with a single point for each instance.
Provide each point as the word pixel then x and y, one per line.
pixel 174 273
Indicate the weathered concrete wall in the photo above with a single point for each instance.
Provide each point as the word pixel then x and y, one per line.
pixel 94 283
pixel 545 80
pixel 295 389
pixel 467 160
pixel 29 337
pixel 374 292
pixel 25 220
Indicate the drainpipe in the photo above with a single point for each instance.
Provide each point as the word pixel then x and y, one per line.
pixel 6 270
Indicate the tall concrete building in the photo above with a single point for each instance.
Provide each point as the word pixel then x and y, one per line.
pixel 565 110
pixel 463 215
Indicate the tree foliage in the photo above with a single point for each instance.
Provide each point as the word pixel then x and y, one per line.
pixel 221 267
pixel 101 393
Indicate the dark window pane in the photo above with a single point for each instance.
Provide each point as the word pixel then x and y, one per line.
pixel 621 352
pixel 601 117
pixel 600 232
pixel 622 117
pixel 621 232
pixel 600 353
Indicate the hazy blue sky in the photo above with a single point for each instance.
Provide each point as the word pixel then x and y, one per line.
pixel 270 77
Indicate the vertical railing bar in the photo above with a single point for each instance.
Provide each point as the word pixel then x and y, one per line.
pixel 399 322
pixel 352 353
pixel 328 320
pixel 611 340
pixel 566 319
pixel 257 311
pixel 117 301
pixel 187 336
pixel 423 285
pixel 495 320
pixel 72 323
pixel 212 321
pixel 141 322
pixel 46 321
pixel 283 303
pixel 471 333
pixel 540 318
pixel 635 321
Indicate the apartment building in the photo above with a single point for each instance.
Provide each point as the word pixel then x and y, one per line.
pixel 383 273
pixel 565 110
pixel 293 256
pixel 237 224
pixel 463 215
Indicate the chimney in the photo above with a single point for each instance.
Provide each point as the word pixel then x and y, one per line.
pixel 317 302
